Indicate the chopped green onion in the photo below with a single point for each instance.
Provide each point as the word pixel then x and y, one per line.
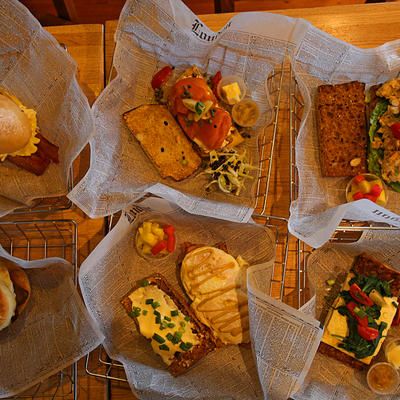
pixel 200 107
pixel 144 312
pixel 174 313
pixel 177 337
pixel 182 324
pixel 149 301
pixel 155 304
pixel 171 325
pixel 394 304
pixel 144 283
pixel 158 319
pixel 167 318
pixel 170 336
pixel 158 338
pixel 186 346
pixel 155 312
pixel 163 347
pixel 187 318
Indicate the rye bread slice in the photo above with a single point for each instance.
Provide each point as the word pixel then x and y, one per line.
pixel 182 360
pixel 366 265
pixel 342 129
pixel 163 140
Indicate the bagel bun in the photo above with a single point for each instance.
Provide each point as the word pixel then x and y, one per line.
pixel 15 291
pixel 18 127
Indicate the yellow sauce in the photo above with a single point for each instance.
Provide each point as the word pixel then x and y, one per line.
pixel 246 113
pixel 382 377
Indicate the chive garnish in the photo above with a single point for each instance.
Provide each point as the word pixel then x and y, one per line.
pixel 177 337
pixel 170 336
pixel 171 325
pixel 186 346
pixel 145 283
pixel 158 338
pixel 144 312
pixel 149 301
pixel 155 304
pixel 187 318
pixel 182 324
pixel 155 312
pixel 163 347
pixel 174 313
pixel 167 318
pixel 164 325
pixel 158 319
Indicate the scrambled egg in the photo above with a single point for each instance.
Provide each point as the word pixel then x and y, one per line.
pixel 391 145
pixel 30 147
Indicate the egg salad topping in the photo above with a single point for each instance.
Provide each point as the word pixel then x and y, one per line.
pixel 30 148
pixel 160 320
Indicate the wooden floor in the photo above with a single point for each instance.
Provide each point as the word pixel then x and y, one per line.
pixel 98 11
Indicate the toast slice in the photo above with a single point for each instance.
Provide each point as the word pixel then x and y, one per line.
pixel 342 130
pixel 367 266
pixel 163 141
pixel 180 355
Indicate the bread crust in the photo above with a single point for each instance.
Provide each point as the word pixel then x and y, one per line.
pixel 183 360
pixel 366 265
pixel 22 287
pixel 342 131
pixel 163 140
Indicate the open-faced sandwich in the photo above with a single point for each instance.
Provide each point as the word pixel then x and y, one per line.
pixel 363 312
pixel 189 123
pixel 359 131
pixel 15 291
pixel 163 317
pixel 216 283
pixel 20 140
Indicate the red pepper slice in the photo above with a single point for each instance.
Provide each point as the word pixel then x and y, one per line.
pixel 169 229
pixel 359 295
pixel 396 319
pixel 160 246
pixel 161 77
pixel 395 128
pixel 371 197
pixel 214 83
pixel 358 196
pixel 351 306
pixel 376 190
pixel 367 332
pixel 358 179
pixel 171 243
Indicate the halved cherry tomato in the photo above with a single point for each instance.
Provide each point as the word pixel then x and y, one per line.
pixel 367 332
pixel 376 190
pixel 359 295
pixel 358 196
pixel 161 77
pixel 160 246
pixel 395 128
pixel 351 306
pixel 396 319
pixel 214 83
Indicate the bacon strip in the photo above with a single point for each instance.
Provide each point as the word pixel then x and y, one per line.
pixel 39 161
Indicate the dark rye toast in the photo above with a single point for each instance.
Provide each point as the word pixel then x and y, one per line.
pixel 366 265
pixel 341 119
pixel 163 140
pixel 182 360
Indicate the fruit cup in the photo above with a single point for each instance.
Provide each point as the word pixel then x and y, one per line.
pixel 367 186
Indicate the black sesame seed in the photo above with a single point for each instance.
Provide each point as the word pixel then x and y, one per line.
pixel 162 149
pixel 166 123
pixel 215 126
pixel 194 75
pixel 183 157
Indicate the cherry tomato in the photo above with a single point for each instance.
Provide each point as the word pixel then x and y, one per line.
pixel 358 179
pixel 367 332
pixel 351 306
pixel 359 295
pixel 215 80
pixel 358 196
pixel 161 77
pixel 395 128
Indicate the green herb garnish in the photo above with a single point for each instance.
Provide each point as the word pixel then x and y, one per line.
pixel 163 347
pixel 158 338
pixel 174 313
pixel 144 283
pixel 155 304
pixel 149 301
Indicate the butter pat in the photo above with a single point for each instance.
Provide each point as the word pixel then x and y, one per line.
pixel 231 93
pixel 160 320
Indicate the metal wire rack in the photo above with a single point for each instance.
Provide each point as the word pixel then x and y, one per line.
pixel 32 240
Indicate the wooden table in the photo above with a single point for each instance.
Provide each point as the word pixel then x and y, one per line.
pixel 362 25
pixel 366 25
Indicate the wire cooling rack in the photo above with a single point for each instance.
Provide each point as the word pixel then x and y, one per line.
pixel 31 240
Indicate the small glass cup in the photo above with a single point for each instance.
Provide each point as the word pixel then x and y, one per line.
pixel 240 108
pixel 161 255
pixel 383 378
pixel 392 346
pixel 226 80
pixel 369 178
